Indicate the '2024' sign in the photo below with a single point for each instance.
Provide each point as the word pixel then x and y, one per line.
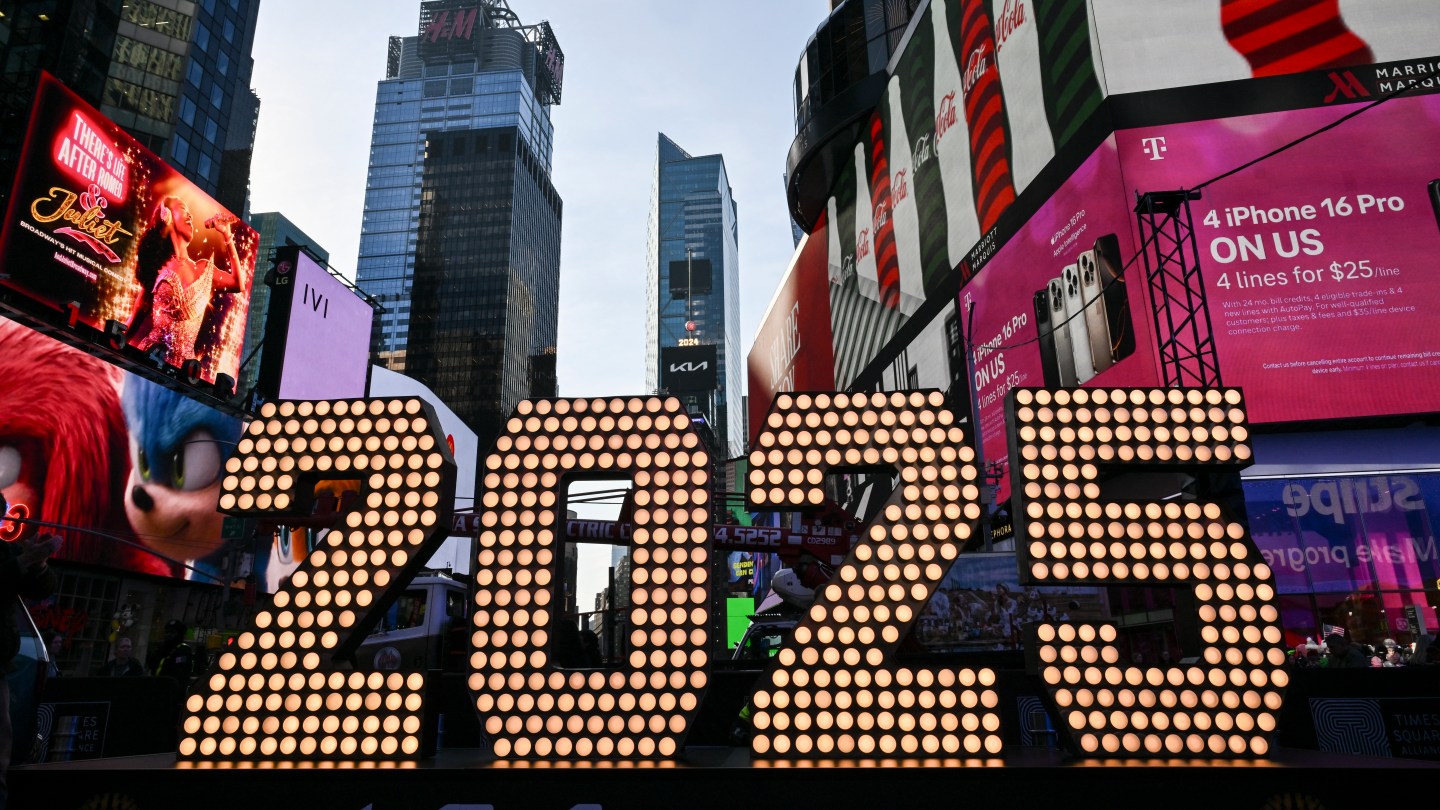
pixel 835 690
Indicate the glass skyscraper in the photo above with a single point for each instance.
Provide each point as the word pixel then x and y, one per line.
pixel 175 75
pixel 693 218
pixel 460 242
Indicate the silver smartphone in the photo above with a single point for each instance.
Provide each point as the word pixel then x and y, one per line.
pixel 1079 332
pixel 1097 321
pixel 1064 352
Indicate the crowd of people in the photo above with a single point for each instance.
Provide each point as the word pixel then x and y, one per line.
pixel 173 657
pixel 1338 652
pixel 985 619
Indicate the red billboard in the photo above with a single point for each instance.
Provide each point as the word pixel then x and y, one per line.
pixel 792 349
pixel 106 240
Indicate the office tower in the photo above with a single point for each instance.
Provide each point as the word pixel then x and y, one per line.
pixel 174 75
pixel 692 290
pixel 275 231
pixel 460 242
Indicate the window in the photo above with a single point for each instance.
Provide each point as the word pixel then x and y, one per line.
pixel 434 88
pixel 408 611
pixel 217 96
pixel 222 63
pixel 187 111
pixel 204 166
pixel 211 130
pixel 229 31
pixel 462 87
pixel 194 74
pixel 181 150
pixel 202 38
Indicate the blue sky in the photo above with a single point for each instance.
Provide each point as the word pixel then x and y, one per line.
pixel 715 77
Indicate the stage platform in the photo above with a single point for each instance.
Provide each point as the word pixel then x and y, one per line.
pixel 727 778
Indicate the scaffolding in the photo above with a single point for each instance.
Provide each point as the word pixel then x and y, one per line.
pixel 1177 291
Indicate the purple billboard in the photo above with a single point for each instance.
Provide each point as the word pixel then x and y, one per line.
pixel 323 330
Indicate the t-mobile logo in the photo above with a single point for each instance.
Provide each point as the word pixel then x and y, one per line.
pixel 1154 147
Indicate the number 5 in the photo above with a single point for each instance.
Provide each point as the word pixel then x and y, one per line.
pixel 1067 533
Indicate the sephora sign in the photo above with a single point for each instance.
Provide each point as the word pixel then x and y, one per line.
pixel 836 690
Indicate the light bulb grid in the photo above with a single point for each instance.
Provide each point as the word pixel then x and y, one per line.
pixel 273 695
pixel 831 692
pixel 532 710
pixel 1224 706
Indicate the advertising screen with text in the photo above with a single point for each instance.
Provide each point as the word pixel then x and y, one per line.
pixel 102 233
pixel 326 349
pixel 1053 307
pixel 1319 263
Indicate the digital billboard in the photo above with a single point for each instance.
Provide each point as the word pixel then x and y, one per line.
pixel 792 349
pixel 688 369
pixel 318 331
pixel 1318 262
pixel 132 466
pixel 981 606
pixel 985 101
pixel 103 235
pixel 1052 307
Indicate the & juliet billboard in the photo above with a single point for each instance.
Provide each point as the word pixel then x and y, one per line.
pixel 103 236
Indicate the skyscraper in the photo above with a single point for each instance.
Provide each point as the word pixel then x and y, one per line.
pixel 693 289
pixel 460 241
pixel 174 75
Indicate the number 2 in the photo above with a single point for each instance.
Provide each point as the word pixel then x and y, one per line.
pixel 831 691
pixel 276 695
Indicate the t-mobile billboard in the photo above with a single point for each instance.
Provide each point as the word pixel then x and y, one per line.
pixel 1055 305
pixel 1319 263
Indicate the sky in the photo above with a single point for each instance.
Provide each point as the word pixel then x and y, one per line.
pixel 714 77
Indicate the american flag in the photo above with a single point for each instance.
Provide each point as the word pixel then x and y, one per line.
pixel 1332 630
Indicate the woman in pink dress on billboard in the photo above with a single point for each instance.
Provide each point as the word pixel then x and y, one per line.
pixel 183 287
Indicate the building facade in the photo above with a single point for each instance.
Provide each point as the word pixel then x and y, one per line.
pixel 174 73
pixel 692 293
pixel 460 242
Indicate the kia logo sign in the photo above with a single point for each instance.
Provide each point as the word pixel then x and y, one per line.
pixel 689 369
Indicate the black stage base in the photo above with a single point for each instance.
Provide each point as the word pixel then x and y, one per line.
pixel 727 778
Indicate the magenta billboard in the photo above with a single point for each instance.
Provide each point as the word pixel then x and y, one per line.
pixel 1319 263
pixel 1053 307
pixel 1316 265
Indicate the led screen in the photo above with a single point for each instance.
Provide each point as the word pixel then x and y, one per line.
pixel 326 331
pixel 103 235
pixel 1319 263
pixel 1051 308
pixel 131 467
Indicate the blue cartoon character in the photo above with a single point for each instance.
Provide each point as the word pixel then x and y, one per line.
pixel 178 448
